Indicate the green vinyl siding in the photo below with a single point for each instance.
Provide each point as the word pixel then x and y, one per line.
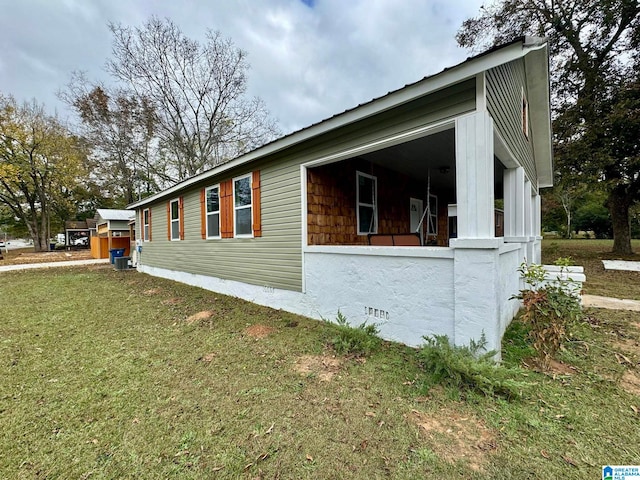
pixel 275 259
pixel 504 102
pixel 119 224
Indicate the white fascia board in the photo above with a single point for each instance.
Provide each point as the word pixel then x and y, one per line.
pixel 463 71
pixel 537 67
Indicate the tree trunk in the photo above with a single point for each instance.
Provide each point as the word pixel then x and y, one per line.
pixel 33 233
pixel 618 205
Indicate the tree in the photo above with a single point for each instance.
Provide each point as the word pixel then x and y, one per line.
pixel 119 127
pixel 594 52
pixel 39 158
pixel 197 92
pixel 593 216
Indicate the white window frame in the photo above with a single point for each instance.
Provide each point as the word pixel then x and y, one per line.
pixel 207 212
pixel 172 220
pixel 433 213
pixel 146 227
pixel 359 203
pixel 235 208
pixel 525 114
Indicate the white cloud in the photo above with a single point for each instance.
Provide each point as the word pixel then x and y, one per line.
pixel 308 63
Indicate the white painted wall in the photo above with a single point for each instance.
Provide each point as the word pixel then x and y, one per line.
pixel 569 278
pixel 407 296
pixel 407 292
pixel 510 284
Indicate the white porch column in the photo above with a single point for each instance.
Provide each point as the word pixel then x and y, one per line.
pixel 528 210
pixel 474 176
pixel 514 205
pixel 528 221
pixel 476 250
pixel 537 228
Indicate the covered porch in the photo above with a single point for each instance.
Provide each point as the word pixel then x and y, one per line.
pixel 411 189
pixel 467 202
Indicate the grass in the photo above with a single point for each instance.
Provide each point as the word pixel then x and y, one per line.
pixel 106 374
pixel 589 254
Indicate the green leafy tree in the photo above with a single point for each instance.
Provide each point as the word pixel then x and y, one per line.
pixel 39 159
pixel 594 60
pixel 593 216
pixel 119 127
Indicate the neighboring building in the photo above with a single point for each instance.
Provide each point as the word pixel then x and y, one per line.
pixel 78 232
pixel 293 224
pixel 111 231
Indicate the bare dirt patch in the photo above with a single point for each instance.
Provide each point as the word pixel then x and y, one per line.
pixel 152 291
pixel 207 358
pixel 630 382
pixel 171 301
pixel 454 436
pixel 22 258
pixel 199 317
pixel 259 331
pixel 322 366
pixel 555 367
pixel 552 367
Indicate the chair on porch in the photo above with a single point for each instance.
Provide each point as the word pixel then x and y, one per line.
pixel 394 239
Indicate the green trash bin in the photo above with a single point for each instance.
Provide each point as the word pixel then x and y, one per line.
pixel 115 252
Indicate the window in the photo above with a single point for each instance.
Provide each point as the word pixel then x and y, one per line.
pixel 367 209
pixel 432 221
pixel 525 115
pixel 242 207
pixel 232 208
pixel 212 204
pixel 146 225
pixel 174 213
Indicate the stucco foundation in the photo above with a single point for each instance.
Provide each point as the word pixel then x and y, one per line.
pixel 408 292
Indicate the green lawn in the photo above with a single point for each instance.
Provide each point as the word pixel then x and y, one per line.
pixel 590 253
pixel 103 375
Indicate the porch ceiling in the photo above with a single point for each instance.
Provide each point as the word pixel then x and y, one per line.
pixel 433 154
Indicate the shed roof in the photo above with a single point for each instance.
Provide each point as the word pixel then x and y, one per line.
pixel 75 225
pixel 110 214
pixel 497 55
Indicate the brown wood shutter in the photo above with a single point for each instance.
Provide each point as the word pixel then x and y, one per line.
pixel 257 214
pixel 226 209
pixel 181 216
pixel 149 224
pixel 203 214
pixel 142 225
pixel 169 220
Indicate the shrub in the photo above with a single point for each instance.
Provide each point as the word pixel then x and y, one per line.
pixel 549 307
pixel 467 367
pixel 347 340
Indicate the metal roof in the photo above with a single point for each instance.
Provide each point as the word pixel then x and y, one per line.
pixel 109 214
pixel 470 67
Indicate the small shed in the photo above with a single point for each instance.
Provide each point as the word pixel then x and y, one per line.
pixel 112 231
pixel 74 230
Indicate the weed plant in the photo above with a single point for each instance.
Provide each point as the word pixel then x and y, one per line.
pixel 469 368
pixel 549 308
pixel 361 340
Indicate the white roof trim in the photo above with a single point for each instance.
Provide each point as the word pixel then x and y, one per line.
pixel 538 93
pixel 463 71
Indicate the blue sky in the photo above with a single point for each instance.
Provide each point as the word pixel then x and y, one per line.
pixel 309 59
